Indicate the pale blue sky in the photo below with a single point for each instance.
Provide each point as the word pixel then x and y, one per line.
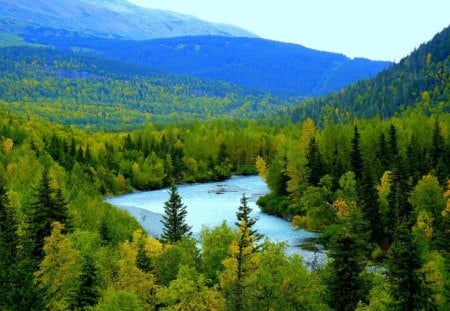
pixel 375 29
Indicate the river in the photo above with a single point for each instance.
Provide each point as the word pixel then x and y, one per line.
pixel 209 204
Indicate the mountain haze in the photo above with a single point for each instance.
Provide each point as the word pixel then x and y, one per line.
pixel 108 19
pixel 284 69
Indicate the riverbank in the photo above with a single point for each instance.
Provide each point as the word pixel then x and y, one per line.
pixel 209 204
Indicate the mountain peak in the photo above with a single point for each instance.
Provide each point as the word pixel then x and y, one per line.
pixel 106 18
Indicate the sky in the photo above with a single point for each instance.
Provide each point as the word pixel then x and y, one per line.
pixel 374 29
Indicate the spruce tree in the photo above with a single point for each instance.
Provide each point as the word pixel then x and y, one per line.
pixel 174 218
pixel 393 147
pixel 346 285
pixel 143 261
pixel 48 206
pixel 9 242
pixel 314 162
pixel 243 252
pixel 244 221
pixel 408 289
pixel 356 158
pixel 88 290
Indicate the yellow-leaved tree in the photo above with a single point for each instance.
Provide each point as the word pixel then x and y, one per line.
pixel 59 271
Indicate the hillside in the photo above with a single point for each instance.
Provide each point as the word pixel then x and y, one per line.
pixel 268 66
pixel 86 91
pixel 110 19
pixel 421 80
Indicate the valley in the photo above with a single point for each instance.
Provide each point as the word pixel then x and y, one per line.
pixel 125 109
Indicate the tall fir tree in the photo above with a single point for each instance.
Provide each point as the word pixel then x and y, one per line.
pixel 244 219
pixel 346 285
pixel 337 169
pixel 9 241
pixel 174 218
pixel 408 289
pixel 241 263
pixel 48 206
pixel 355 155
pixel 368 200
pixel 393 147
pixel 314 162
pixel 88 290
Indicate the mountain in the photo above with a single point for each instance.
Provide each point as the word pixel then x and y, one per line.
pixel 420 80
pixel 269 66
pixel 179 44
pixel 99 93
pixel 104 18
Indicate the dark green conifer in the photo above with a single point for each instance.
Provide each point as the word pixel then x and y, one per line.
pixel 314 162
pixel 88 290
pixel 408 289
pixel 143 261
pixel 355 156
pixel 346 286
pixel 48 206
pixel 174 218
pixel 9 242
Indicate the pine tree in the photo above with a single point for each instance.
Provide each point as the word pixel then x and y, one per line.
pixel 9 242
pixel 337 169
pixel 88 290
pixel 245 222
pixel 48 206
pixel 241 262
pixel 314 162
pixel 356 158
pixel 346 284
pixel 143 261
pixel 175 227
pixel 408 288
pixel 393 147
pixel 368 200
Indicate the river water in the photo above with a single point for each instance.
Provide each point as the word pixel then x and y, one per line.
pixel 209 204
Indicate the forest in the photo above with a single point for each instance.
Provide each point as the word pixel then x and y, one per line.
pixel 375 186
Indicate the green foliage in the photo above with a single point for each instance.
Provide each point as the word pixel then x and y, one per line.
pixel 105 94
pixel 215 244
pixel 174 218
pixel 48 206
pixel 121 301
pixel 274 204
pixel 413 83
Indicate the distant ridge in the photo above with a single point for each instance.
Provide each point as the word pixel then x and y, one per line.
pixel 284 69
pixel 107 19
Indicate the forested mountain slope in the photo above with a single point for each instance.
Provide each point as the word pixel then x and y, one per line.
pixel 420 79
pixel 283 69
pixel 96 92
pixel 109 19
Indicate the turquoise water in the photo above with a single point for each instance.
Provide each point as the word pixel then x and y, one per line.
pixel 209 204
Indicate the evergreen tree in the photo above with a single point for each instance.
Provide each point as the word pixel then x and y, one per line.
pixel 437 146
pixel 241 263
pixel 356 158
pixel 408 288
pixel 143 261
pixel 368 200
pixel 105 233
pixel 314 162
pixel 383 153
pixel 9 242
pixel 337 169
pixel 88 290
pixel 346 285
pixel 244 219
pixel 175 227
pixel 48 206
pixel 393 147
